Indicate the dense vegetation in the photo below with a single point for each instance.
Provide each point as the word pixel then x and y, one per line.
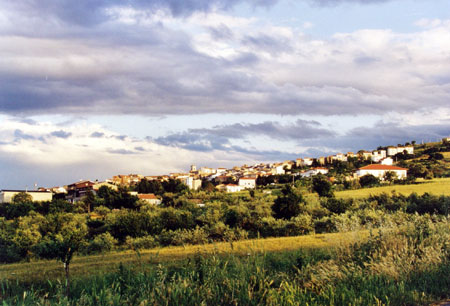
pixel 31 230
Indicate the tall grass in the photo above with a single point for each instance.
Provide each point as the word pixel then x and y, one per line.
pixel 41 270
pixel 406 266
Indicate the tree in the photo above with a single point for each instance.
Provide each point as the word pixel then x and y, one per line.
pixel 22 197
pixel 288 204
pixel 390 176
pixel 322 186
pixel 369 180
pixel 436 156
pixel 89 200
pixel 153 186
pixel 174 186
pixel 65 234
pixel 117 199
pixel 208 186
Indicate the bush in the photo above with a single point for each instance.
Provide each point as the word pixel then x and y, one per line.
pixel 102 243
pixel 337 206
pixel 324 225
pixel 369 180
pixel 390 203
pixel 428 204
pixel 145 242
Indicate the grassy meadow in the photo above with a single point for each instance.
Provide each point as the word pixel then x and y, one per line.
pixel 404 266
pixel 43 270
pixel 439 186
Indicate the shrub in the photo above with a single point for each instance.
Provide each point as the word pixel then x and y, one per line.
pixel 102 243
pixel 337 206
pixel 145 242
pixel 369 180
pixel 324 225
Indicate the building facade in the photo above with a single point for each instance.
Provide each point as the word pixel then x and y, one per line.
pixel 6 196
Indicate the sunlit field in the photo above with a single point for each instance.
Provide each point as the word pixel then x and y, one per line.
pixel 84 265
pixel 439 186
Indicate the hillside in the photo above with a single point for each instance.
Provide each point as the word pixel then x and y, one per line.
pixel 436 186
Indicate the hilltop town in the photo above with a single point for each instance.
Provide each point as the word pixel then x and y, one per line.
pixel 385 163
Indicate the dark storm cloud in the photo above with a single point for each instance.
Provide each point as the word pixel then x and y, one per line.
pixel 218 138
pixel 301 129
pixel 194 141
pixel 381 134
pixel 112 68
pixel 266 155
pixel 203 142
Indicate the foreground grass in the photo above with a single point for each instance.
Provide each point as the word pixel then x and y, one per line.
pixel 96 264
pixel 437 187
pixel 393 267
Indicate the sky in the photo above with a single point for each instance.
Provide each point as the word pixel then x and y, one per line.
pixel 94 88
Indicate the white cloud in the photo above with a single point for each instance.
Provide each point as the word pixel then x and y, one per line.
pixel 30 145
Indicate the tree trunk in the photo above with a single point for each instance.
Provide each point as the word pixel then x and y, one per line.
pixel 66 268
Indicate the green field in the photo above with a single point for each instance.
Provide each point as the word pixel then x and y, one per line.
pixel 85 265
pixel 436 187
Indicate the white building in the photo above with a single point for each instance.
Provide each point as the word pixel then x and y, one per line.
pixel 207 171
pixel 149 198
pixel 340 157
pixel 377 156
pixel 380 171
pixel 192 182
pixel 391 151
pixel 229 188
pixel 247 182
pixel 221 171
pixel 37 196
pixel 314 171
pixel 278 169
pixel 387 161
pixel 303 162
pixel 234 188
pixel 308 161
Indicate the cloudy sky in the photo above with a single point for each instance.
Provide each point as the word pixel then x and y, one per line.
pixel 94 88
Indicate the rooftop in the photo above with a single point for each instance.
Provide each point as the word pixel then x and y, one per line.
pixel 381 167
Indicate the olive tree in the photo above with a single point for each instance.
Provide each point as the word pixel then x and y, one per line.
pixel 65 234
pixel 22 197
pixel 288 204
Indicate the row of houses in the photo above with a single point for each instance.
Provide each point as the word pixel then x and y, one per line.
pixel 72 193
pixel 245 175
pixel 375 156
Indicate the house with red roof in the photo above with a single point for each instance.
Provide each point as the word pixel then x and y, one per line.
pixel 380 171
